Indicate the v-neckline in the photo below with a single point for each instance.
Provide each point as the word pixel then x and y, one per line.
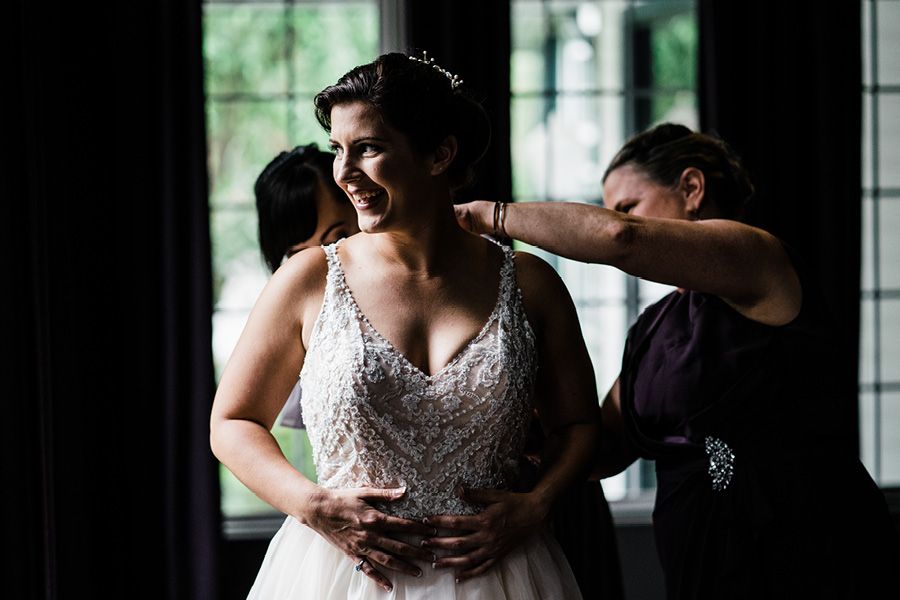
pixel 362 317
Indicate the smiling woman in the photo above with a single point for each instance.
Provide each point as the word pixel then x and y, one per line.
pixel 425 353
pixel 377 167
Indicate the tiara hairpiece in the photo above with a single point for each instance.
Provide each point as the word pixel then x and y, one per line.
pixel 455 81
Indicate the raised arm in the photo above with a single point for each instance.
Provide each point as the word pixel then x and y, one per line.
pixel 745 266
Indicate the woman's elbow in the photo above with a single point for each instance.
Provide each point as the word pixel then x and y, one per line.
pixel 620 235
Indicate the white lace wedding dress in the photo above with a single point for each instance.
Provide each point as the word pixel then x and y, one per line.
pixel 375 419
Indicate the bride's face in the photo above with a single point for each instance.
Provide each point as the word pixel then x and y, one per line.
pixel 375 165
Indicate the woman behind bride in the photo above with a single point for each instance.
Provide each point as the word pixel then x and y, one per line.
pixel 425 351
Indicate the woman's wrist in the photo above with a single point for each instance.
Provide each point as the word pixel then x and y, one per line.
pixel 310 502
pixel 540 503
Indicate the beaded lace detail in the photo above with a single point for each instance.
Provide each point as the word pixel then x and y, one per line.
pixel 375 419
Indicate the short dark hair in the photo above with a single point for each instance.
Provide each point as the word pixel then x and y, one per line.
pixel 665 151
pixel 286 199
pixel 419 101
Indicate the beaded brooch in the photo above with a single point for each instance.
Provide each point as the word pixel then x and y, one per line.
pixel 721 463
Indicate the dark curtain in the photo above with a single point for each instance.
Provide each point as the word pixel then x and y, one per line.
pixel 471 38
pixel 110 490
pixel 781 82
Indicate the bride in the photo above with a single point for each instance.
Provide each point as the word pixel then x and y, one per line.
pixel 423 351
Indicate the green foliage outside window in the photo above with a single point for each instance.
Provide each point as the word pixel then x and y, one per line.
pixel 674 66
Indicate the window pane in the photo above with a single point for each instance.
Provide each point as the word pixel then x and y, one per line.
pixel 576 143
pixel 890 434
pixel 529 147
pixel 888 42
pixel 890 341
pixel 588 39
pixel 243 136
pixel 304 127
pixel 331 40
pixel 675 107
pixel 889 139
pixel 604 330
pixel 867 277
pixel 867 364
pixel 889 243
pixel 243 47
pixel 237 262
pixel 880 422
pixel 673 44
pixel 651 292
pixel 528 32
pixel 561 145
pixel 867 136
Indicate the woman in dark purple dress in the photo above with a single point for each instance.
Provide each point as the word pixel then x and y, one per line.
pixel 726 383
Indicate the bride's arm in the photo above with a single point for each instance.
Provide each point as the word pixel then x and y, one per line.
pixel 259 375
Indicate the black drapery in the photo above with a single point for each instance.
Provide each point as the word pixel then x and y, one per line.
pixel 109 489
pixel 781 82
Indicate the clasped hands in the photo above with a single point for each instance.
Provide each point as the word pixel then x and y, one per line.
pixel 369 537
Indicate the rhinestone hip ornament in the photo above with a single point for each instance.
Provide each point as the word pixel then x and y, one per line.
pixel 721 463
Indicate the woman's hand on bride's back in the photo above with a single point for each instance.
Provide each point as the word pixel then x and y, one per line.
pixel 347 519
pixel 507 519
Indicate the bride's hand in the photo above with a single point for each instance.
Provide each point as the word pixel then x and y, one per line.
pixel 349 522
pixel 508 518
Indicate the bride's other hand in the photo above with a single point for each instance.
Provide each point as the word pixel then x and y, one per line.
pixel 508 518
pixel 347 519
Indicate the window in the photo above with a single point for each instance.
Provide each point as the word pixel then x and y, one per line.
pixel 880 298
pixel 264 62
pixel 585 77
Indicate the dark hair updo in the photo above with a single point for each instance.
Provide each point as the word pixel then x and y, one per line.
pixel 421 102
pixel 665 151
pixel 286 199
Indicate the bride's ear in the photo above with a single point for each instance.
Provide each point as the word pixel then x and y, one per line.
pixel 444 155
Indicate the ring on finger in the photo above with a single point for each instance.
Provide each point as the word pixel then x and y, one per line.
pixel 360 564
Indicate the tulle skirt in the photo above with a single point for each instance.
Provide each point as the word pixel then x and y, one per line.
pixel 300 564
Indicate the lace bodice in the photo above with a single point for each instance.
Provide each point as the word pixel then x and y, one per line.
pixel 375 419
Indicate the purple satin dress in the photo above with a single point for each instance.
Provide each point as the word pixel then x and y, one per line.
pixel 760 490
